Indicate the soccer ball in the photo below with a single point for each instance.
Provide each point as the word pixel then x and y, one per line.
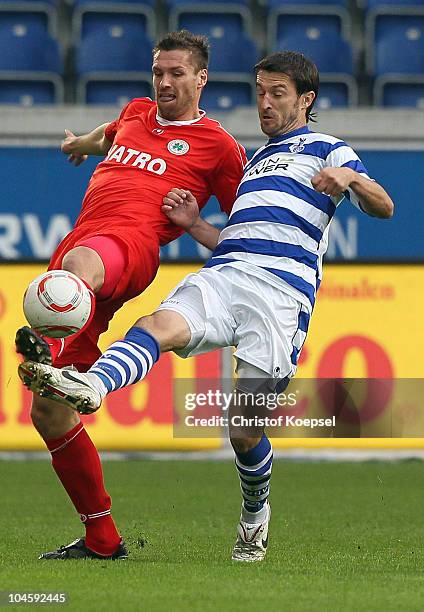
pixel 57 304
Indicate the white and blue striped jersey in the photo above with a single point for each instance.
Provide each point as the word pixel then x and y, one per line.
pixel 278 227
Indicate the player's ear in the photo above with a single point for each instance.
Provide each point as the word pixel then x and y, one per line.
pixel 202 78
pixel 308 98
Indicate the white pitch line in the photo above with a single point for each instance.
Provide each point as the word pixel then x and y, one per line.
pixel 227 454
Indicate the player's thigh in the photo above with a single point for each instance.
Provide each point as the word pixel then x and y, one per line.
pixel 268 334
pixel 203 301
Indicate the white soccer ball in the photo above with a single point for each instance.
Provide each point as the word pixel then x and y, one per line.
pixel 57 304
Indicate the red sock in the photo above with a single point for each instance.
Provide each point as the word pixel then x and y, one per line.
pixel 77 463
pixel 58 345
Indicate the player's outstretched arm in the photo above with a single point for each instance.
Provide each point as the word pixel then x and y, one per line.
pixel 180 206
pixel 373 198
pixel 79 148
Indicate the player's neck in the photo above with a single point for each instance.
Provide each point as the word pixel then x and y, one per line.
pixel 183 120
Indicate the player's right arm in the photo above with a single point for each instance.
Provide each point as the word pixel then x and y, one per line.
pixel 180 206
pixel 79 148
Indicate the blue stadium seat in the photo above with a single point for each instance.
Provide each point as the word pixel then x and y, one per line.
pixel 92 15
pixel 231 79
pixel 399 94
pixel 334 95
pixel 372 4
pixel 214 19
pixel 30 57
pixel 290 18
pixel 225 59
pixel 26 92
pixel 333 57
pixel 107 56
pixel 386 21
pixel 116 92
pixel 399 60
pixel 32 14
pixel 331 53
pixel 224 96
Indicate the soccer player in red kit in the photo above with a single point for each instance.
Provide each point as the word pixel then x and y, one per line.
pixel 114 248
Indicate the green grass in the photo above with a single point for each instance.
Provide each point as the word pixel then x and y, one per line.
pixel 343 537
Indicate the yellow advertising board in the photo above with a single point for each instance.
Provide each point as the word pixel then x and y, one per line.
pixel 367 324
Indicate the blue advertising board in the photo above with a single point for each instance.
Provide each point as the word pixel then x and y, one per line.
pixel 42 194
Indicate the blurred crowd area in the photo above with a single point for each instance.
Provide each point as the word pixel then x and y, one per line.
pixel 369 52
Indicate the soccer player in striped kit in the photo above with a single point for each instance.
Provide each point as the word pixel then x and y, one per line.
pixel 258 290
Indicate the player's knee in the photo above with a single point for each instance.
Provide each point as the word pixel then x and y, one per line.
pixel 86 264
pixel 243 444
pixel 47 415
pixel 169 328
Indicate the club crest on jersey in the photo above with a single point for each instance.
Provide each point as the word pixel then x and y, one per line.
pixel 178 147
pixel 298 146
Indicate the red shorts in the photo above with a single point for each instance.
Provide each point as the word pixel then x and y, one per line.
pixel 141 257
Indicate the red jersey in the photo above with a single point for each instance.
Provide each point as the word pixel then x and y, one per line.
pixel 149 156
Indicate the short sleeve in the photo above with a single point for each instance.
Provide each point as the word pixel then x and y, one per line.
pixel 227 176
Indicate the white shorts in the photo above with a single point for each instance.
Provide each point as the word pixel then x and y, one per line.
pixel 228 307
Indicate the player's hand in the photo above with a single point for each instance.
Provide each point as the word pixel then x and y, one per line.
pixel 333 181
pixel 180 206
pixel 69 145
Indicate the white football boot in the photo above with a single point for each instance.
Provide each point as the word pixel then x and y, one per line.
pixel 71 388
pixel 252 540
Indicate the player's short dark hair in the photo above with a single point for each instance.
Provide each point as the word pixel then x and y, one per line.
pixel 196 44
pixel 299 68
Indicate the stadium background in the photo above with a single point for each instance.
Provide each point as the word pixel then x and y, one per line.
pixel 367 322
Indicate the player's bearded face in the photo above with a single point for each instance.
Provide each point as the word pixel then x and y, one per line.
pixel 280 108
pixel 177 84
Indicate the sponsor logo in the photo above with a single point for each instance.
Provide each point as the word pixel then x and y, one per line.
pixel 137 159
pixel 178 147
pixel 270 164
pixel 157 131
pixel 298 146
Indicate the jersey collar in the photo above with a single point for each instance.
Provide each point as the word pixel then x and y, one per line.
pixel 302 130
pixel 164 122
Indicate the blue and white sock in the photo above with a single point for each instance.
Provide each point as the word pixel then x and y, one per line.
pixel 125 362
pixel 254 469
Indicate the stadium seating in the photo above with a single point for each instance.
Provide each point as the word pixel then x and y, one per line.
pixel 216 19
pixel 223 96
pixel 115 92
pixel 231 80
pixel 386 22
pixel 30 66
pixel 31 14
pixel 290 19
pixel 399 59
pixel 91 15
pixel 333 57
pixel 117 56
pixel 400 94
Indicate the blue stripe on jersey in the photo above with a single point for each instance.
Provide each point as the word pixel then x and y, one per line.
pixel 297 282
pixel 356 165
pixel 283 184
pixel 293 280
pixel 267 247
pixel 318 148
pixel 275 214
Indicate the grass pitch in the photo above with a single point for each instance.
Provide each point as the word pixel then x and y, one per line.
pixel 343 537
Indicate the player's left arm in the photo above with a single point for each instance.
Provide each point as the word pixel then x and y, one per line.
pixel 373 199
